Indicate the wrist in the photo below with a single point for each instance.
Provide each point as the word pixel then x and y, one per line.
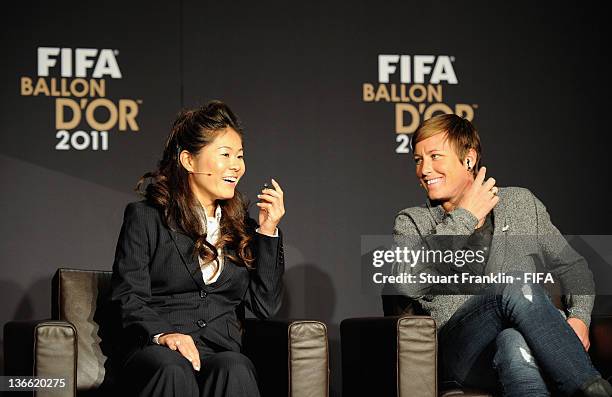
pixel 158 339
pixel 267 230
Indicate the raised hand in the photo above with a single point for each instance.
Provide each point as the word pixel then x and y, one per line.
pixel 271 209
pixel 480 197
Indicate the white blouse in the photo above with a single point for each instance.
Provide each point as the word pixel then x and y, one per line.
pixel 210 273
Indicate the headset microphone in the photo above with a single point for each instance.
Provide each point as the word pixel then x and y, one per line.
pixel 206 173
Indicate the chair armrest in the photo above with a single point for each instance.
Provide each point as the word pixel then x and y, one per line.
pixel 44 348
pixel 389 356
pixel 291 357
pixel 601 343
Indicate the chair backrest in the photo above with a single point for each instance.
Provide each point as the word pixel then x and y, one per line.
pixel 82 297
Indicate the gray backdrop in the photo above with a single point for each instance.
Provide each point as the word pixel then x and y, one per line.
pixel 535 75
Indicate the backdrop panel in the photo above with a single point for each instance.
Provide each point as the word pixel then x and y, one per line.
pixel 64 192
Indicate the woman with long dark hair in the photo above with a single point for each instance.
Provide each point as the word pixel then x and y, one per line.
pixel 189 259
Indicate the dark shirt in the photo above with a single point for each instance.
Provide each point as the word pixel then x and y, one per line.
pixel 480 240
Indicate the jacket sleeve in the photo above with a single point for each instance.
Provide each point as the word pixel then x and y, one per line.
pixel 413 231
pixel 265 292
pixel 131 282
pixel 567 265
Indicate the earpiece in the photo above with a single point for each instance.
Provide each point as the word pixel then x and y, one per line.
pixel 468 165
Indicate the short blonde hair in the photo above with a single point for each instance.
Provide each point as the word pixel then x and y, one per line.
pixel 462 135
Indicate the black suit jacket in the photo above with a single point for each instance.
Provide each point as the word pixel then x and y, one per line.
pixel 158 285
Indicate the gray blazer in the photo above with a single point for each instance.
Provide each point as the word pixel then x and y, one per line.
pixel 523 236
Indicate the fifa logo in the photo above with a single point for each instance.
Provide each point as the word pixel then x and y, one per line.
pixel 415 84
pixel 102 63
pixel 77 78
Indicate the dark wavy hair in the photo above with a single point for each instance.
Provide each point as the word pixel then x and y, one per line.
pixel 167 188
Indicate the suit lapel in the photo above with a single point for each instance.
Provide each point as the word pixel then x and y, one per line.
pixel 499 243
pixel 184 244
pixel 226 274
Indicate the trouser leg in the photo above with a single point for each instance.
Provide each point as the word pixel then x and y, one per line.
pixel 517 369
pixel 228 374
pixel 554 344
pixel 466 345
pixel 477 323
pixel 156 371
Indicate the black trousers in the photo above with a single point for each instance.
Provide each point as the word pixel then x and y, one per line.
pixel 156 371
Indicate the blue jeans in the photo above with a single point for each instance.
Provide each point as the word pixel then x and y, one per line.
pixel 513 341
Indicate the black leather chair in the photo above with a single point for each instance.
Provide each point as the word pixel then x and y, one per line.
pixel 81 340
pixel 396 355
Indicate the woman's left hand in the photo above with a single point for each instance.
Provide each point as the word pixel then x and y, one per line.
pixel 581 330
pixel 271 209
